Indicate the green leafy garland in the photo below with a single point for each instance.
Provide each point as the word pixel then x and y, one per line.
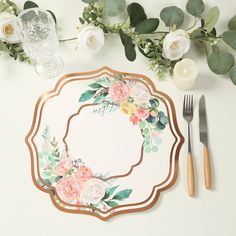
pixel 140 32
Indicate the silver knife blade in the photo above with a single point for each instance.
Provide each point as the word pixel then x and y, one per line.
pixel 203 121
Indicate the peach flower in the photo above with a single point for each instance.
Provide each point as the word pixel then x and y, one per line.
pixel 64 166
pixel 83 174
pixel 128 108
pixel 68 188
pixel 153 113
pixel 119 92
pixel 134 119
pixel 142 113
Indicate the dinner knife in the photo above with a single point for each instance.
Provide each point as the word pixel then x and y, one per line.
pixel 204 140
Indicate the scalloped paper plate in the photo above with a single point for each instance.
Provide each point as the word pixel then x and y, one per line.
pixel 104 143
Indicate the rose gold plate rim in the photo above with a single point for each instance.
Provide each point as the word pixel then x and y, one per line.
pixel 154 196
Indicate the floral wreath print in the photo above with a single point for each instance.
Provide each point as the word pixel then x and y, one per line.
pixel 132 99
pixel 75 182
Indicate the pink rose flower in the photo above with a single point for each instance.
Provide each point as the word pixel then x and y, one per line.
pixel 63 166
pixel 134 119
pixel 141 113
pixel 68 188
pixel 119 92
pixel 83 174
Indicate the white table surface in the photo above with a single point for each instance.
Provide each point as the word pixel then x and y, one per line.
pixel 27 211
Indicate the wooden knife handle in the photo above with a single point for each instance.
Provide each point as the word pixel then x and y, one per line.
pixel 191 182
pixel 207 168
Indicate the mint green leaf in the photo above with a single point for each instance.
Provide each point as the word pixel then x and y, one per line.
pixel 114 7
pixel 232 75
pixel 95 85
pixel 195 7
pixel 147 26
pixel 172 16
pixel 122 194
pixel 112 203
pixel 87 95
pixel 220 62
pixel 46 173
pixel 110 191
pixel 229 37
pixel 146 131
pixel 3 47
pixel 155 149
pixel 211 18
pixel 136 14
pixel 147 149
pixel 142 124
pixel 99 98
pixel 29 4
pixel 232 23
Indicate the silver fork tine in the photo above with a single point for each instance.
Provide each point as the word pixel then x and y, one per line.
pixel 192 105
pixel 189 104
pixel 184 105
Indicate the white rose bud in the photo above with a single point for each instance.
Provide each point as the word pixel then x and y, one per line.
pixel 176 44
pixel 90 39
pixel 8 28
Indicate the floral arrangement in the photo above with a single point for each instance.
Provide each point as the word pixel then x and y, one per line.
pixel 163 49
pixel 132 99
pixel 75 182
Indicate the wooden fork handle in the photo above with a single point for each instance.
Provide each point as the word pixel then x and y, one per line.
pixel 190 174
pixel 207 167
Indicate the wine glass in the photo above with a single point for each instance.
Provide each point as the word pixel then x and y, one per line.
pixel 37 31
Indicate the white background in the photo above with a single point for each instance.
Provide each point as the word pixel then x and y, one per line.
pixel 25 211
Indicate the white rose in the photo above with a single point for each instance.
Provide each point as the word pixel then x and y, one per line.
pixel 140 94
pixel 93 191
pixel 8 28
pixel 176 44
pixel 90 39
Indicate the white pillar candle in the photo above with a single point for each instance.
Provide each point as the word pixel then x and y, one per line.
pixel 185 74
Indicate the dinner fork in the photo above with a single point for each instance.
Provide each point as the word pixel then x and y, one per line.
pixel 188 116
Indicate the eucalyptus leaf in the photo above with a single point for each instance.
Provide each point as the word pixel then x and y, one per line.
pixel 110 191
pixel 229 37
pixel 211 19
pixel 232 75
pixel 172 16
pixel 232 23
pixel 87 95
pixel 195 7
pixel 112 203
pixel 95 85
pixel 114 7
pixel 122 194
pixel 29 4
pixel 136 14
pixel 147 26
pixel 127 41
pixel 99 98
pixel 3 47
pixel 220 62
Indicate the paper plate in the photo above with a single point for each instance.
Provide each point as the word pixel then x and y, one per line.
pixel 104 143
